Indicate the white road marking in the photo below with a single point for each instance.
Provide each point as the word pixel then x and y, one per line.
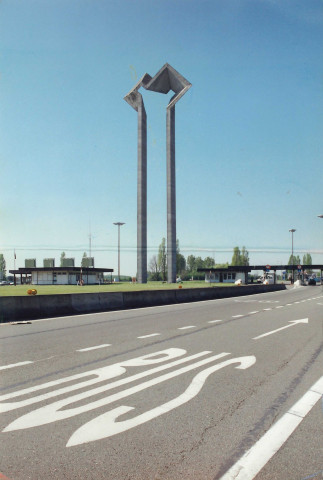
pixel 292 322
pixel 214 321
pixel 94 348
pixel 267 309
pixel 252 462
pixel 101 374
pixel 280 306
pixel 56 411
pixel 251 313
pixel 150 335
pixel 12 365
pixel 185 328
pixel 237 316
pixel 288 304
pixel 106 426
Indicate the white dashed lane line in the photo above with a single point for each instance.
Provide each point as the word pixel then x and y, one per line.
pixel 12 365
pixel 150 335
pixel 237 316
pixel 214 321
pixel 94 348
pixel 185 328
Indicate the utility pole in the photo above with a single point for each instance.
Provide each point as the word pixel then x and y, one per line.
pixel 292 230
pixel 119 225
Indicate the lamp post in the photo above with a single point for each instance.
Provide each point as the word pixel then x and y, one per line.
pixel 119 225
pixel 292 230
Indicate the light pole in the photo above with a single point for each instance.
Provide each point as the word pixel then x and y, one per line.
pixel 292 230
pixel 119 225
pixel 321 216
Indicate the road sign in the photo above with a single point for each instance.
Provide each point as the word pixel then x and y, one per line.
pixel 299 267
pixel 268 267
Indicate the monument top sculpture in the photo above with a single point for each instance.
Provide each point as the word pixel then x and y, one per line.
pixel 166 79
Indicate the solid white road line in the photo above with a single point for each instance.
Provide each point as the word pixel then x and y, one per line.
pixel 12 365
pixel 256 458
pixel 94 348
pixel 185 328
pixel 150 335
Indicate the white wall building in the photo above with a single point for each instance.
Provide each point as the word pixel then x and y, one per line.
pixel 224 277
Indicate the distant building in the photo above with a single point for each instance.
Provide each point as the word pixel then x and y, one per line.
pixel 223 276
pixel 61 275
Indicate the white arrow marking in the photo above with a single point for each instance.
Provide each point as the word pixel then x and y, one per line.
pixel 292 322
pixel 105 425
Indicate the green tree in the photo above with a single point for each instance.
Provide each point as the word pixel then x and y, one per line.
pixel 293 260
pixel 153 270
pixel 180 263
pixel 180 260
pixel 208 262
pixel 244 256
pixel 236 257
pixel 162 258
pixel 2 267
pixel 191 263
pixel 63 255
pixel 307 260
pixel 222 265
pixel 199 263
pixel 240 257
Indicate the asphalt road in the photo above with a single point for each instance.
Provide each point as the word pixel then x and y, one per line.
pixel 223 389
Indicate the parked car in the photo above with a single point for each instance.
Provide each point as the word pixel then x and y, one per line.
pixel 4 282
pixel 311 281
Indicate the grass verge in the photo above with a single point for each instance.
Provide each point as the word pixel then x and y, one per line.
pixel 21 290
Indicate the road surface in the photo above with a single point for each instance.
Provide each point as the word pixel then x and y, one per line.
pixel 223 389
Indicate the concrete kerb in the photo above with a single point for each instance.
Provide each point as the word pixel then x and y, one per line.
pixel 42 306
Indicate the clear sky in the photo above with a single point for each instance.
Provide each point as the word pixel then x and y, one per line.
pixel 249 163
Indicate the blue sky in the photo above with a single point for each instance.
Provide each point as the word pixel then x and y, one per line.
pixel 249 160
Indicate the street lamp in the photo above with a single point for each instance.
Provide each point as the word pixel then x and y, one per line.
pixel 119 225
pixel 292 230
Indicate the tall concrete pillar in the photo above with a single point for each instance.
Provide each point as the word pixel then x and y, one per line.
pixel 142 195
pixel 171 195
pixel 165 80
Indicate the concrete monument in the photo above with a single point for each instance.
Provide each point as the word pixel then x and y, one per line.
pixel 165 80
